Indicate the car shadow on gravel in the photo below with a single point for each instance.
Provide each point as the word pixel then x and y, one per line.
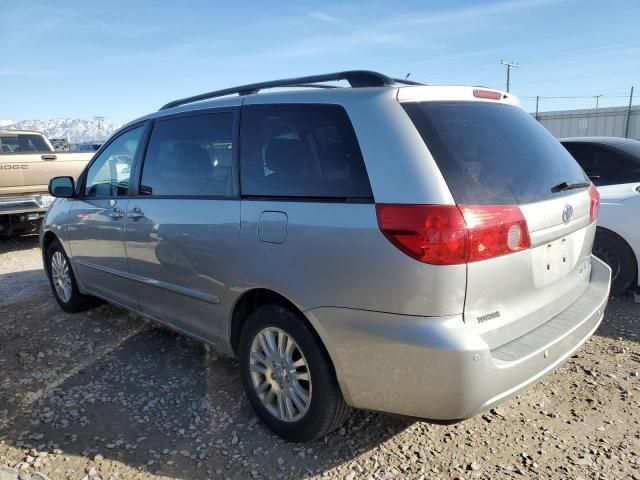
pixel 163 403
pixel 17 243
pixel 18 286
pixel 621 319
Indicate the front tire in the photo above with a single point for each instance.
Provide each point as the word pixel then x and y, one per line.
pixel 63 281
pixel 288 376
pixel 615 252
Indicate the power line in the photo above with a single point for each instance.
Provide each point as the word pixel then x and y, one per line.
pixel 575 96
pixel 551 53
pixel 589 75
pixel 577 102
pixel 530 58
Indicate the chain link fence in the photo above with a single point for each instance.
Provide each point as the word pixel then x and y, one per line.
pixel 611 115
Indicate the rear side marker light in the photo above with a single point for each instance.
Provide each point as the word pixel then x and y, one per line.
pixel 489 94
pixel 594 203
pixel 452 235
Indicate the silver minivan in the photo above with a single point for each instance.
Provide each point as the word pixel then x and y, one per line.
pixel 355 240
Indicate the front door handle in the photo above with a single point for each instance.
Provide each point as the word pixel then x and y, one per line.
pixel 135 213
pixel 116 213
pixel 48 157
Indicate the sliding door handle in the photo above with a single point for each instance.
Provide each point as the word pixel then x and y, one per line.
pixel 135 213
pixel 116 213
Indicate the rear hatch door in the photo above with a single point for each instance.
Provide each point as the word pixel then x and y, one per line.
pixel 492 153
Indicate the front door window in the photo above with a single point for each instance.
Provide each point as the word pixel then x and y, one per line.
pixel 109 175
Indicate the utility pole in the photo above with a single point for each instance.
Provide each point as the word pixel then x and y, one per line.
pixel 597 97
pixel 537 102
pixel 99 119
pixel 509 66
pixel 626 128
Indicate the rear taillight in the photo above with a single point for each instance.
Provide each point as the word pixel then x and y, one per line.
pixel 429 233
pixel 450 234
pixel 594 204
pixel 495 230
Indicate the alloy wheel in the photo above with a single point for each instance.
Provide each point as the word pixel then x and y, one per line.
pixel 61 276
pixel 280 374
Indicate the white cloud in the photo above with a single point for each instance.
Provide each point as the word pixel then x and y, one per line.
pixel 36 73
pixel 325 17
pixel 356 28
pixel 475 13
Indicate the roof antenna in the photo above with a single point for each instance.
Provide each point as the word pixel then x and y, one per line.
pixel 407 76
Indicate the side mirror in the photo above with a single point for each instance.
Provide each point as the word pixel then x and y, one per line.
pixel 62 187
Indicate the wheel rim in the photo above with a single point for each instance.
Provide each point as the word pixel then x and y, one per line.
pixel 280 374
pixel 61 276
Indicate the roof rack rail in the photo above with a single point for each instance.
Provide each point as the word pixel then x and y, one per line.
pixel 356 78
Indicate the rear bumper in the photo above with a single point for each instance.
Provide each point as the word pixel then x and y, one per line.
pixel 24 204
pixel 436 368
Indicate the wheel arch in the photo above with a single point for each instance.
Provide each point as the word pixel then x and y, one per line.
pixel 251 300
pixel 48 238
pixel 628 245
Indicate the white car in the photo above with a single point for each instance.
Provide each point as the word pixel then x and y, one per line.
pixel 613 164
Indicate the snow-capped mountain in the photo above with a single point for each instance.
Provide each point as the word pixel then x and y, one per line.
pixel 4 123
pixel 73 129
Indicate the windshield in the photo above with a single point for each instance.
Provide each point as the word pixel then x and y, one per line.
pixel 493 154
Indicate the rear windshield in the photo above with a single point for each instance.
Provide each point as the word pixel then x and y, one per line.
pixel 493 154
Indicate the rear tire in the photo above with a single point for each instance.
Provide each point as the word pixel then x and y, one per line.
pixel 612 249
pixel 63 281
pixel 272 333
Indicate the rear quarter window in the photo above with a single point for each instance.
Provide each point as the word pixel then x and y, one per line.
pixel 300 150
pixel 491 153
pixel 22 143
pixel 605 165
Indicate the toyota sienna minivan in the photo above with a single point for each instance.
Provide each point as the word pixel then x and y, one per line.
pixel 354 240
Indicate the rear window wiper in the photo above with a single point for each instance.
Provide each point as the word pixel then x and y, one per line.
pixel 561 187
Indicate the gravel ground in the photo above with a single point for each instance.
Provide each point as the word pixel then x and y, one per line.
pixel 106 395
